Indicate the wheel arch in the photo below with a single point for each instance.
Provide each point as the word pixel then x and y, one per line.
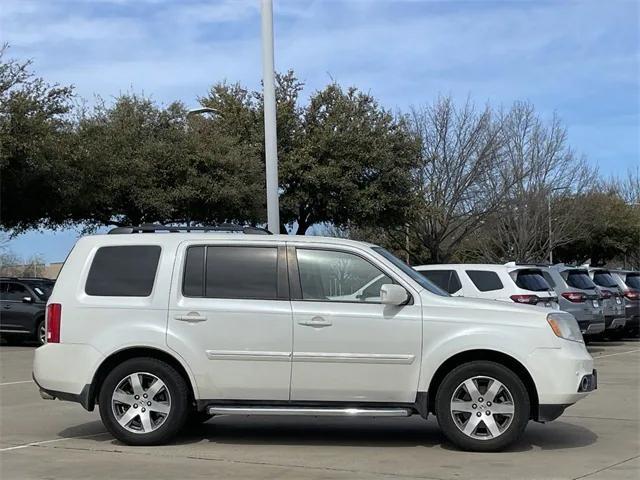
pixel 489 355
pixel 125 354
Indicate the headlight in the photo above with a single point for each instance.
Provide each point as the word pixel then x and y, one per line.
pixel 564 325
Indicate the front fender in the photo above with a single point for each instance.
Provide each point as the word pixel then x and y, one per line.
pixel 440 348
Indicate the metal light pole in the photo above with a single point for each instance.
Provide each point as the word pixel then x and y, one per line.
pixel 549 217
pixel 270 138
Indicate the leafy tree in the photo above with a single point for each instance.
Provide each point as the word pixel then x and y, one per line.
pixel 342 158
pixel 35 129
pixel 143 163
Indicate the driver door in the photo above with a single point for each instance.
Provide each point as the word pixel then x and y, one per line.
pixel 347 345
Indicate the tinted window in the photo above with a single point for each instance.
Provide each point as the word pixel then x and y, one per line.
pixel 339 277
pixel 579 279
pixel 633 280
pixel 485 281
pixel 127 271
pixel 231 272
pixel 604 279
pixel 15 292
pixel 410 272
pixel 447 280
pixel 193 281
pixel 531 280
pixel 43 290
pixel 549 279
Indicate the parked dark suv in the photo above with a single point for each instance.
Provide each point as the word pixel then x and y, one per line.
pixel 22 307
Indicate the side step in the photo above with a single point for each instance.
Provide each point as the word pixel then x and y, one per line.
pixel 311 411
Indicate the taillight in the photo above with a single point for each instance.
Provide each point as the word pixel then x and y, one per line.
pixel 632 294
pixel 575 297
pixel 528 299
pixel 54 318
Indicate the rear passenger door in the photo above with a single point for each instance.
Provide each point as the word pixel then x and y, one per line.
pixel 230 318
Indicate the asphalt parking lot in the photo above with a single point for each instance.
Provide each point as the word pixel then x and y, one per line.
pixel 598 438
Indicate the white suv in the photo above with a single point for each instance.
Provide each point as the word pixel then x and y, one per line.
pixel 160 329
pixel 510 282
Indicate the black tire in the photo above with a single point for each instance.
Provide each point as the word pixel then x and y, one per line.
pixel 40 325
pixel 178 391
pixel 521 406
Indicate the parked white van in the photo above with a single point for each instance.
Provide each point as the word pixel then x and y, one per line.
pixel 510 282
pixel 162 328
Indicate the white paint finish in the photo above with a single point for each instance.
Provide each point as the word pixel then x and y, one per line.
pixel 239 334
pixel 15 383
pixel 244 349
pixel 379 334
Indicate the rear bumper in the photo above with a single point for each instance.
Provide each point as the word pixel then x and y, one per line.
pixel 82 398
pixel 614 323
pixel 65 371
pixel 591 327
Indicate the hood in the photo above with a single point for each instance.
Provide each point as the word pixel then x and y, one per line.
pixel 480 311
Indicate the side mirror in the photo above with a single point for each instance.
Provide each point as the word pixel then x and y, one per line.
pixel 27 299
pixel 391 294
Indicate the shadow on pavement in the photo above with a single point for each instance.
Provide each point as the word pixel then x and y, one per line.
pixel 413 432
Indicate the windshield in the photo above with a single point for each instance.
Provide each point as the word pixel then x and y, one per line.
pixel 633 280
pixel 415 276
pixel 532 280
pixel 579 279
pixel 604 279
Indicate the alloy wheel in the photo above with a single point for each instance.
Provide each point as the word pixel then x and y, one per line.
pixel 42 333
pixel 482 408
pixel 141 402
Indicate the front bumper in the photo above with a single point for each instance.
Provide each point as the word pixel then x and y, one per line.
pixel 558 373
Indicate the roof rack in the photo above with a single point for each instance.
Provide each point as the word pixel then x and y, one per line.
pixel 225 227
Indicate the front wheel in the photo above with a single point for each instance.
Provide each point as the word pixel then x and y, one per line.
pixel 482 406
pixel 144 401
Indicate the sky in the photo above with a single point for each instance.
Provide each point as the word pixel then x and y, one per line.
pixel 579 59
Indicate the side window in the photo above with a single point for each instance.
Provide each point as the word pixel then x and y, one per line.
pixel 447 280
pixel 3 291
pixel 339 277
pixel 549 279
pixel 485 281
pixel 15 292
pixel 231 272
pixel 123 271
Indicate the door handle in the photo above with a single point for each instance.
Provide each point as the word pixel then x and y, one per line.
pixel 192 317
pixel 317 322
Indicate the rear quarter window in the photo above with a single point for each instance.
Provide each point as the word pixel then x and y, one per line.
pixel 447 280
pixel 485 281
pixel 579 279
pixel 532 280
pixel 123 271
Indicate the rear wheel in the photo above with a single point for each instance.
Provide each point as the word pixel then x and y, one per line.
pixel 144 401
pixel 482 406
pixel 41 332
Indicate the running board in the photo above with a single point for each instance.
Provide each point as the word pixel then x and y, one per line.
pixel 311 411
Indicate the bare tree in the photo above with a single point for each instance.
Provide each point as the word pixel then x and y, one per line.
pixel 461 180
pixel 543 208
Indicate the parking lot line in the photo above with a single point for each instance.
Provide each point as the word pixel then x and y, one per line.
pixel 614 354
pixel 44 442
pixel 15 383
